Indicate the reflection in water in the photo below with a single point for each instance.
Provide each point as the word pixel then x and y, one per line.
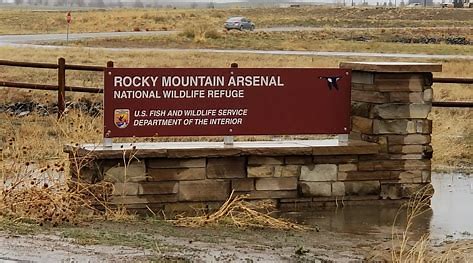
pixel 450 217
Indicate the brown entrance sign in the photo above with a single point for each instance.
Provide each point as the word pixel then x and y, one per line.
pixel 147 102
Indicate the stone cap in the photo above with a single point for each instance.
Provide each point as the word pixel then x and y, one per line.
pixel 402 67
pixel 218 149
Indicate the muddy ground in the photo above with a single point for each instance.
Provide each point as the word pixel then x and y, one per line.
pixel 158 241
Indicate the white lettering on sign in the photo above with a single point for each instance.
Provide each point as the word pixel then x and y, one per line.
pixel 136 94
pixel 192 81
pixel 157 122
pixel 255 81
pixel 136 81
pixel 222 93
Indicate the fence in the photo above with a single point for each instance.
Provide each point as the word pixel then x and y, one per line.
pixel 61 87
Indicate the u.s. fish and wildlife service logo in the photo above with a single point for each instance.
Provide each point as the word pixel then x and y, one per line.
pixel 121 118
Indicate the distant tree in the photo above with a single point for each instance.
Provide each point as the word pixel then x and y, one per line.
pixel 138 4
pixel 194 5
pixel 211 5
pixel 119 3
pixel 18 2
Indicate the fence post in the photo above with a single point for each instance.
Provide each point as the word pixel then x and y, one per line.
pixel 61 87
pixel 107 141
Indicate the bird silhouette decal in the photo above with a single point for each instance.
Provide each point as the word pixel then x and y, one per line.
pixel 331 82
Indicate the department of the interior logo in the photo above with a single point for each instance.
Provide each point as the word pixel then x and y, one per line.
pixel 121 118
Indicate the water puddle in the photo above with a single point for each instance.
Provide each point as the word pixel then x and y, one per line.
pixel 449 219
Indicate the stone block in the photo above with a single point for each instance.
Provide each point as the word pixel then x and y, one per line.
pixel 363 125
pixel 401 111
pixel 417 164
pixel 362 77
pixel 264 160
pixel 380 165
pixel 276 184
pixel 391 191
pixel 175 174
pixel 394 127
pixel 347 167
pixel 204 190
pixel 362 188
pixel 319 172
pixel 145 188
pixel 413 176
pixel 289 171
pixel 411 156
pixel 246 184
pixel 408 139
pixel 428 95
pixel 426 176
pixel 176 163
pixel 368 175
pixel 229 167
pixel 315 188
pixel 335 159
pixel 133 172
pixel 273 171
pixel 369 96
pixel 298 160
pixel 261 171
pixel 399 82
pixel 361 109
pixel 423 126
pixel 407 148
pixel 406 97
pixel 358 86
pixel 338 189
pixel 342 176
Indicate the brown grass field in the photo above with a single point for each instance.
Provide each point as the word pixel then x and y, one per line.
pixel 23 21
pixel 34 143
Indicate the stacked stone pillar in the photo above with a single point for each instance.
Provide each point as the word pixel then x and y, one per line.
pixel 390 106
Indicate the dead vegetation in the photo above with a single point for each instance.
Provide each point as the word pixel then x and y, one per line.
pixel 242 213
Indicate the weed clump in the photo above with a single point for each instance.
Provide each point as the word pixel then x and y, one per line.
pixel 241 213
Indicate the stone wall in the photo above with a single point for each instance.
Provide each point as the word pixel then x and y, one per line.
pixel 386 159
pixel 390 106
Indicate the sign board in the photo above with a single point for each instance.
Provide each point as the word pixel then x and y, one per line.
pixel 68 17
pixel 148 102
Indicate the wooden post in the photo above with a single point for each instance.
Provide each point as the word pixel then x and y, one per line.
pixel 61 87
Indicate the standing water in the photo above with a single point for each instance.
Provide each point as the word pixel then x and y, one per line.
pixel 450 216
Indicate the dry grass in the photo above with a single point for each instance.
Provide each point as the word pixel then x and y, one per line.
pixel 241 213
pixel 336 39
pixel 21 21
pixel 404 248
